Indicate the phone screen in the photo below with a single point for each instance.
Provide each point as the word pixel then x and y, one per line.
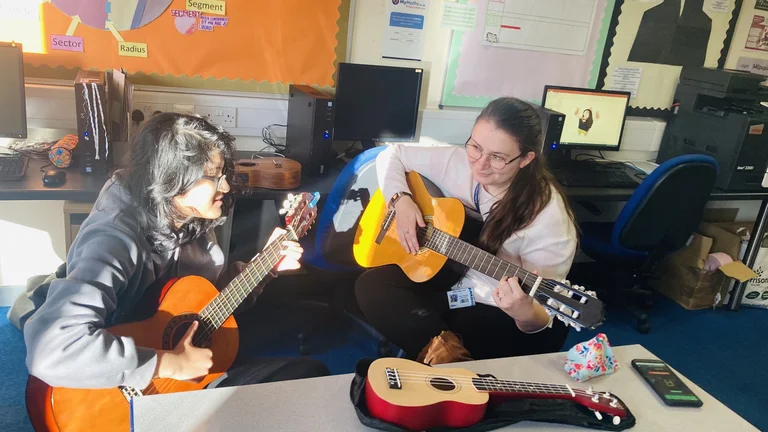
pixel 665 383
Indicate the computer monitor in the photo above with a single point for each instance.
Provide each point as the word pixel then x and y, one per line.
pixel 13 109
pixel 376 103
pixel 594 119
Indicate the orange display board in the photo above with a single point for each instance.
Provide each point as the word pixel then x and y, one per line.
pixel 262 40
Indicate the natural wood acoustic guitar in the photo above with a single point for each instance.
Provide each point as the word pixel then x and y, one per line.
pixel 268 172
pixel 183 301
pixel 376 244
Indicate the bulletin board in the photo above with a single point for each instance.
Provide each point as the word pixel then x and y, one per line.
pixel 749 48
pixel 628 48
pixel 479 71
pixel 254 45
pixel 656 38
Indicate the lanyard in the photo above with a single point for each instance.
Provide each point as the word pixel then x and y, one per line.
pixel 477 198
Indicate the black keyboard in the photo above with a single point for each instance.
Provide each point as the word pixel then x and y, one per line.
pixel 590 177
pixel 12 167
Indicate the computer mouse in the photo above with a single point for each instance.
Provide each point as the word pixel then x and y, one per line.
pixel 53 178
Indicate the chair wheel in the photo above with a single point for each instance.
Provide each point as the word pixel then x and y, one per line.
pixel 643 327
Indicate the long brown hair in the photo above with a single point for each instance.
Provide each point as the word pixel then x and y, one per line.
pixel 531 188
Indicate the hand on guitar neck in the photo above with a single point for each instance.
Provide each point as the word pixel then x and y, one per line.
pixel 508 295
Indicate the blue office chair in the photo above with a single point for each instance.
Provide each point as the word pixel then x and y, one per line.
pixel 329 251
pixel 658 219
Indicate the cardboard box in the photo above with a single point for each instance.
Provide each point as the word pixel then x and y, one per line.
pixel 684 279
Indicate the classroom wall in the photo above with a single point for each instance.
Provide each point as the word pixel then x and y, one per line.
pixel 32 232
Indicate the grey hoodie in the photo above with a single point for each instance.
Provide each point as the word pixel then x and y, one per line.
pixel 109 267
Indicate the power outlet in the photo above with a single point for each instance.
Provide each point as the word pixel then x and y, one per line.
pixel 224 117
pixel 149 109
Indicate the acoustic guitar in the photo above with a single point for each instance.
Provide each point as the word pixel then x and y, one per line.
pixel 376 244
pixel 268 172
pixel 418 397
pixel 183 301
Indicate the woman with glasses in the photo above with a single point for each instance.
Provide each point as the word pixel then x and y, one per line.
pixel 500 175
pixel 153 221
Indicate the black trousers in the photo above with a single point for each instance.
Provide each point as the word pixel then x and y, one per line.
pixel 410 314
pixel 270 369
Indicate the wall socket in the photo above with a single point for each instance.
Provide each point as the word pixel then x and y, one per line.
pixel 224 117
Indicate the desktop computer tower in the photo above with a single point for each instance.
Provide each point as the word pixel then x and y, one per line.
pixel 551 130
pixel 309 134
pixel 93 152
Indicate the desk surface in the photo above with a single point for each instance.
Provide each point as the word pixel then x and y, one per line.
pixel 78 187
pixel 623 194
pixel 322 404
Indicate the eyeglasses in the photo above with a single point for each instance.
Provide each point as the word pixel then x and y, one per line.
pixel 475 152
pixel 216 180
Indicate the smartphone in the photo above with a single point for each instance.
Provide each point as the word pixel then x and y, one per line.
pixel 665 383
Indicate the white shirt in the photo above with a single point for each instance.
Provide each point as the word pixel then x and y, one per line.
pixel 547 244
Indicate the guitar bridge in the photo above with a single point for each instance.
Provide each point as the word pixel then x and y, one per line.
pixel 393 379
pixel 130 392
pixel 385 226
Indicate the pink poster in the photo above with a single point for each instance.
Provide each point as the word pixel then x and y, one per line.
pixel 491 71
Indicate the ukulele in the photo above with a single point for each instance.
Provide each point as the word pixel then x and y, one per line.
pixel 268 172
pixel 418 397
pixel 183 300
pixel 376 244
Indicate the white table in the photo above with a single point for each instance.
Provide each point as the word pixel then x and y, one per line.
pixel 322 404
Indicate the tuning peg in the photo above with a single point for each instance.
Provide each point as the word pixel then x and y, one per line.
pixel 579 287
pixel 597 414
pixel 616 420
pixel 576 314
pixel 614 403
pixel 607 395
pixel 291 196
pixel 286 203
pixel 596 398
pixel 590 390
pixel 282 211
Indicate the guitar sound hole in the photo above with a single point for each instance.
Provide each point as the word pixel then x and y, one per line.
pixel 442 384
pixel 176 329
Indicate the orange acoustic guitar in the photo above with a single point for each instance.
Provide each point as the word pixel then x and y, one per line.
pixel 183 301
pixel 418 397
pixel 376 245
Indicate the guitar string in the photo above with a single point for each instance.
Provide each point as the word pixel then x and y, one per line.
pixel 451 244
pixel 420 376
pixel 277 243
pixel 490 382
pixel 160 389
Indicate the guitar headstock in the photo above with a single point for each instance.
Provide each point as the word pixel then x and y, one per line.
pixel 572 304
pixel 300 212
pixel 601 403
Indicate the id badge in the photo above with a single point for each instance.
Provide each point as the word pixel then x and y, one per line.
pixel 460 298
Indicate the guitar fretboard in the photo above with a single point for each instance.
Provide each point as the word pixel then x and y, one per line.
pixel 224 304
pixel 472 256
pixel 493 385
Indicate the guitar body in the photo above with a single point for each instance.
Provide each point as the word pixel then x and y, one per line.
pixel 426 399
pixel 269 172
pixel 446 214
pixel 68 409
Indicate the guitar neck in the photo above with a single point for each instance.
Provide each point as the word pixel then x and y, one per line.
pixel 473 257
pixel 523 388
pixel 221 307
